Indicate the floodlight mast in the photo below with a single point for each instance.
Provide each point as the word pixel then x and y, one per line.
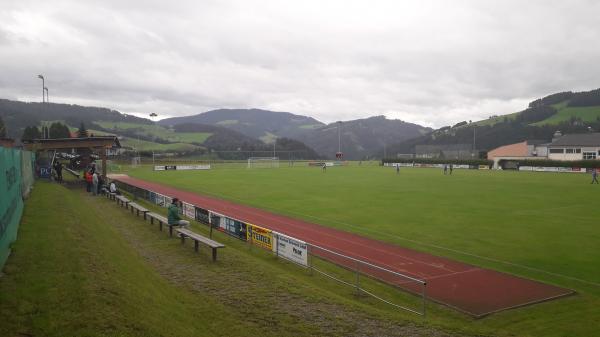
pixel 43 87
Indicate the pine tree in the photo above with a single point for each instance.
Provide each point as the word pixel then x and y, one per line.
pixel 31 132
pixel 59 130
pixel 82 132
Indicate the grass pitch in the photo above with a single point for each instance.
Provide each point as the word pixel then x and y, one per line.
pixel 542 226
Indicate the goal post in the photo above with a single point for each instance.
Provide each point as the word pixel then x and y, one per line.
pixel 263 162
pixel 136 161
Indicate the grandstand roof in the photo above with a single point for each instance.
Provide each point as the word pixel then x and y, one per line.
pixel 72 143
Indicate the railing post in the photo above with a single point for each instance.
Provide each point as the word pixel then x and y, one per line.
pixel 424 298
pixel 357 278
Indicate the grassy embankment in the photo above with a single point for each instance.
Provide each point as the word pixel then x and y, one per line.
pixel 84 267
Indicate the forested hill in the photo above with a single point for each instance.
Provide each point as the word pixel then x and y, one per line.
pixel 360 138
pixel 569 112
pixel 19 115
pixel 256 123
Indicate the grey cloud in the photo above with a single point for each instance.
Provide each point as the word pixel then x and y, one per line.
pixel 432 62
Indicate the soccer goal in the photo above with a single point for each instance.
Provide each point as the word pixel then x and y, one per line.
pixel 263 162
pixel 136 161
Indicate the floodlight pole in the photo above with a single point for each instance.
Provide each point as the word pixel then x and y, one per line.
pixel 47 95
pixel 339 136
pixel 43 87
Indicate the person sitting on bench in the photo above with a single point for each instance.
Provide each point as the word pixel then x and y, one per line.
pixel 173 215
pixel 113 188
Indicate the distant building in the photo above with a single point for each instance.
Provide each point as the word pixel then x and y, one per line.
pixel 576 146
pixel 506 156
pixel 447 151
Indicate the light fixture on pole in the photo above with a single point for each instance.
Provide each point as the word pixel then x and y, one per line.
pixel 43 87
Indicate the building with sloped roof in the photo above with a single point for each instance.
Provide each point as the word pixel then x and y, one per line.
pixel 575 146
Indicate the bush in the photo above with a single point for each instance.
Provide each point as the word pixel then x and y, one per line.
pixel 560 163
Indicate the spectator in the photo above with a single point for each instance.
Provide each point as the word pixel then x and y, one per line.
pixel 88 180
pixel 95 183
pixel 173 215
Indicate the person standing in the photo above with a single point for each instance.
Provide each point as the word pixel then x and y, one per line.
pixel 95 183
pixel 594 175
pixel 173 215
pixel 451 168
pixel 397 168
pixel 58 169
pixel 445 169
pixel 88 180
pixel 324 168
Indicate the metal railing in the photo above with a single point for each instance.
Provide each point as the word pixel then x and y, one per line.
pixel 357 268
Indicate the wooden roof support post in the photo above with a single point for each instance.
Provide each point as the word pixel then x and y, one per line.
pixel 103 157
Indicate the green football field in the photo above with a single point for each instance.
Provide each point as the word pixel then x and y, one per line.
pixel 542 226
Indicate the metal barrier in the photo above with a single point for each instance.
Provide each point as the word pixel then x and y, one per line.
pixel 356 268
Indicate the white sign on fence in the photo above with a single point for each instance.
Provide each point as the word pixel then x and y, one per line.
pixel 180 167
pixel 291 249
pixel 193 167
pixel 188 210
pixel 159 199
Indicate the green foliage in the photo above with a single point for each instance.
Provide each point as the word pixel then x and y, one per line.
pixel 560 163
pixel 31 132
pixel 59 130
pixel 588 98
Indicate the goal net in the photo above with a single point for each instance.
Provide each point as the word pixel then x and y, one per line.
pixel 136 161
pixel 263 162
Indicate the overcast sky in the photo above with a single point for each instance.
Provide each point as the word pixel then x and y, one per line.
pixel 429 62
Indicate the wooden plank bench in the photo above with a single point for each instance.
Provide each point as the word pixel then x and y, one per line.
pixel 121 200
pixel 138 208
pixel 161 220
pixel 214 245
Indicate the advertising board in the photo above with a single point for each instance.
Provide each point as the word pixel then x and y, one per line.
pixel 259 236
pixel 290 248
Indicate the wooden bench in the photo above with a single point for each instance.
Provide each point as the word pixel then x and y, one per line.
pixel 138 208
pixel 214 245
pixel 121 200
pixel 161 220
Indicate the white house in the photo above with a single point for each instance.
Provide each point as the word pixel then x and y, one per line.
pixel 576 146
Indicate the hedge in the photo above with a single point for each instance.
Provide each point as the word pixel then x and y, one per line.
pixel 558 163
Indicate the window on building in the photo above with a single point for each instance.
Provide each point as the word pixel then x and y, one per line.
pixel 570 150
pixel 577 150
pixel 557 150
pixel 589 155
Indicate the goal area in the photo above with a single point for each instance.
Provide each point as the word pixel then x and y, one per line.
pixel 263 162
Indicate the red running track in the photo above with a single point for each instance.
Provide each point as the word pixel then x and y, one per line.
pixel 473 290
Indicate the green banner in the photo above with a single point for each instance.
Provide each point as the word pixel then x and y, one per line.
pixel 12 186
